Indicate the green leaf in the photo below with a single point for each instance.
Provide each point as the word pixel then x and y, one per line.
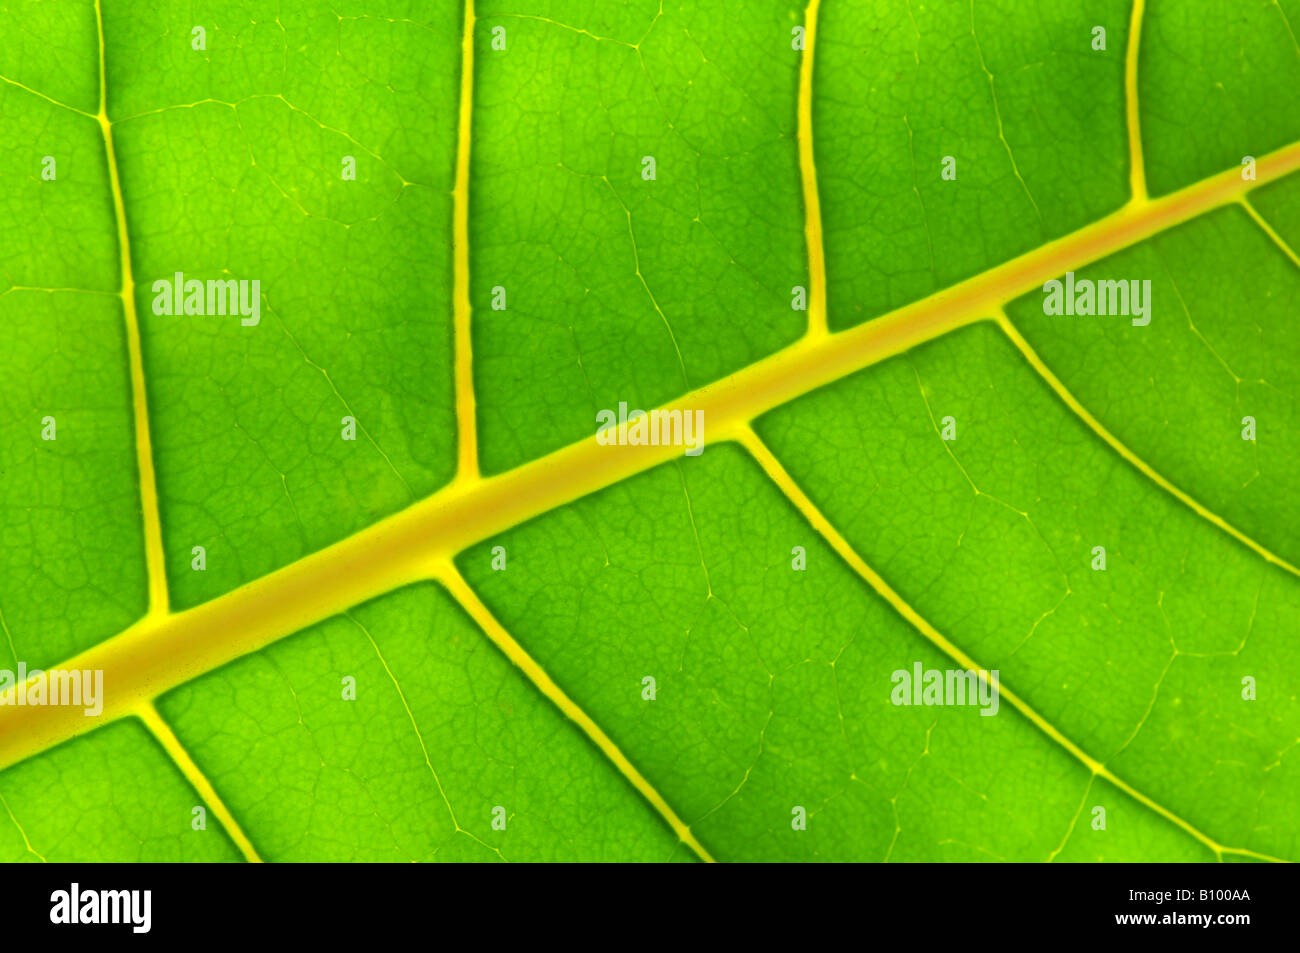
pixel 478 632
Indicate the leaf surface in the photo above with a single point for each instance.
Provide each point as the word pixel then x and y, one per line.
pixel 495 586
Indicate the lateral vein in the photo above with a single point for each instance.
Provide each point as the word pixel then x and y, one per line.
pixel 450 576
pixel 158 726
pixel 792 491
pixel 812 206
pixel 1136 161
pixel 49 99
pixel 1138 463
pixel 155 563
pixel 159 652
pixel 466 425
pixel 1268 230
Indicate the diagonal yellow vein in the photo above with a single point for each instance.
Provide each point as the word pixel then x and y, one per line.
pixel 153 545
pixel 1269 231
pixel 466 427
pixel 450 576
pixel 772 466
pixel 1137 175
pixel 1141 465
pixel 812 206
pixel 160 652
pixel 194 774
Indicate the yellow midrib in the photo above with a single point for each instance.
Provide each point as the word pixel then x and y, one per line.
pixel 147 650
pixel 160 652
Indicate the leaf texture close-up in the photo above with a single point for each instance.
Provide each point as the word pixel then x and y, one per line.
pixel 650 430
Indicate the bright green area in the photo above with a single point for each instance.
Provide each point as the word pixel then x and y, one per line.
pixel 1221 347
pixel 772 685
pixel 355 275
pixel 112 796
pixel 991 537
pixel 232 160
pixel 618 287
pixel 1013 92
pixel 443 730
pixel 1213 85
pixel 71 552
pixel 71 556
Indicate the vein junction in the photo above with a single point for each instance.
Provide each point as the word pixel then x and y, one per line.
pixel 165 649
pixel 162 651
